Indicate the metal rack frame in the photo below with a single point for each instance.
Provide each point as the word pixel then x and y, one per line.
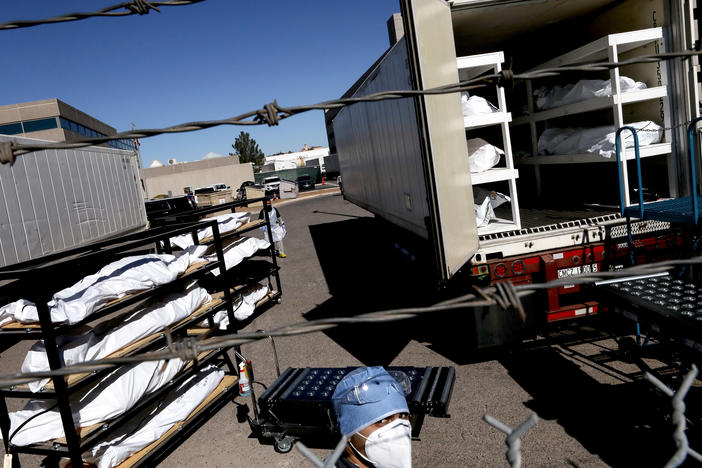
pixel 58 269
pixel 470 67
pixel 609 48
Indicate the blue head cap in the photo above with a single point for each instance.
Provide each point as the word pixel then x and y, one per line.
pixel 364 396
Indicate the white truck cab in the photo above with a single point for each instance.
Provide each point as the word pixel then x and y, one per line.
pixel 271 184
pixel 219 186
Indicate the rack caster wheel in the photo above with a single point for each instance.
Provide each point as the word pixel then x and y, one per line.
pixel 284 444
pixel 280 300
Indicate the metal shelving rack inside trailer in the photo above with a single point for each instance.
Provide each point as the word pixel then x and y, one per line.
pixel 610 47
pixel 57 271
pixel 471 67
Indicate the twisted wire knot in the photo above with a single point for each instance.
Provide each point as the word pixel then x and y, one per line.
pixel 506 297
pixel 7 152
pixel 141 7
pixel 506 79
pixel 186 348
pixel 270 113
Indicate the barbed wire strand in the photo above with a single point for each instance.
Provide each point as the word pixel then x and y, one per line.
pixel 506 295
pixel 271 114
pixel 679 419
pixel 188 348
pixel 135 7
pixel 514 436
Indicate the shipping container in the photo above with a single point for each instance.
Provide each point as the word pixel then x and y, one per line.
pixel 58 199
pixel 407 160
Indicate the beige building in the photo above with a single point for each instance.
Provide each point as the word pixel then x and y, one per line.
pixel 54 120
pixel 179 178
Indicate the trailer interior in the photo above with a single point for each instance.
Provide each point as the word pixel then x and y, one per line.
pixel 536 32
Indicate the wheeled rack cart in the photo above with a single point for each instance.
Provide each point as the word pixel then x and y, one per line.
pixel 39 279
pixel 298 404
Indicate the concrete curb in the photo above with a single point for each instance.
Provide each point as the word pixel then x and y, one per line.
pixel 322 193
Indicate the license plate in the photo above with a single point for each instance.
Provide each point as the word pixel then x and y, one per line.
pixel 576 271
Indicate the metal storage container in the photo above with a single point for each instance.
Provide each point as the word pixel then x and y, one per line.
pixel 54 200
pixel 406 160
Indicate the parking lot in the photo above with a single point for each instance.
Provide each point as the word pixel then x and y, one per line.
pixel 592 414
pixel 595 409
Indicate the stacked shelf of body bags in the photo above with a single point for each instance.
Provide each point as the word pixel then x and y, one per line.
pixel 92 415
pixel 554 142
pixel 489 164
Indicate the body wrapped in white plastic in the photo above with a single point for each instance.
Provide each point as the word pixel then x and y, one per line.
pixel 112 396
pixel 548 98
pixel 244 305
pixel 240 249
pixel 482 156
pixel 485 203
pixel 142 432
pixel 234 253
pixel 598 140
pixel 476 105
pixel 102 341
pixel 225 223
pixel 119 278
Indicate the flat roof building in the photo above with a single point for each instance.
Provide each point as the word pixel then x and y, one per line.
pixel 182 177
pixel 54 120
pixel 307 157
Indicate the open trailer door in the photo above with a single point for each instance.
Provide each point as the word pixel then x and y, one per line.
pixel 432 56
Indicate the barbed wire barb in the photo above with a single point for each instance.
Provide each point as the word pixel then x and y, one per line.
pixel 679 418
pixel 514 436
pixel 141 7
pixel 135 7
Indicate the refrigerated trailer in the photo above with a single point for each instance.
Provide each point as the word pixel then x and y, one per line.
pixel 406 160
pixel 58 199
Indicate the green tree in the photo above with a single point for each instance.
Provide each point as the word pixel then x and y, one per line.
pixel 247 150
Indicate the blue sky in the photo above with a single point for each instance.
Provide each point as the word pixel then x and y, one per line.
pixel 211 60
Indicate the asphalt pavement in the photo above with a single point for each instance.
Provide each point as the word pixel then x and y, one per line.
pixel 340 263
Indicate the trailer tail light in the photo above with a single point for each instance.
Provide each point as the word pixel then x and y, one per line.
pixel 480 270
pixel 500 270
pixel 518 267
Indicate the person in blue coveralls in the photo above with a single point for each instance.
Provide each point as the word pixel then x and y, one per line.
pixel 372 412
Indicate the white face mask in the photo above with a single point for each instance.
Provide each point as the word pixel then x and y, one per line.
pixel 390 446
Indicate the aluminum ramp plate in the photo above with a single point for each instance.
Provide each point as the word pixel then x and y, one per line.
pixel 678 210
pixel 671 306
